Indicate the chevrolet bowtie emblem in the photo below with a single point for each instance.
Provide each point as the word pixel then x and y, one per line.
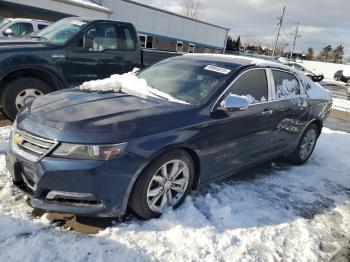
pixel 17 138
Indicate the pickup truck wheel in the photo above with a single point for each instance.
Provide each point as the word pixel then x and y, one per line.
pixel 20 92
pixel 164 183
pixel 305 146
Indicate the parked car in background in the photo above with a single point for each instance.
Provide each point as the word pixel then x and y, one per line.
pixel 314 77
pixel 68 53
pixel 121 143
pixel 10 27
pixel 340 75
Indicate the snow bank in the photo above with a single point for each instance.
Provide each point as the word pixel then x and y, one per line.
pixel 341 104
pixel 128 83
pixel 278 213
pixel 327 69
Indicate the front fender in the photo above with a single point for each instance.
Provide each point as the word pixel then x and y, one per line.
pixel 31 62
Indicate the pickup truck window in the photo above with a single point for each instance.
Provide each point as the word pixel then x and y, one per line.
pixel 61 31
pixel 129 39
pixel 41 26
pixel 104 36
pixel 20 29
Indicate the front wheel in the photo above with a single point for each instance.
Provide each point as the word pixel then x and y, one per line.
pixel 20 92
pixel 305 146
pixel 164 183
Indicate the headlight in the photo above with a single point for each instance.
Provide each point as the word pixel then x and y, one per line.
pixel 89 152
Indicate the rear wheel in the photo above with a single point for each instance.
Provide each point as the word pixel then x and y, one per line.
pixel 20 92
pixel 305 146
pixel 164 183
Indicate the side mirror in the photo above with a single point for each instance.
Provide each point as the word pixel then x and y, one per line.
pixel 235 102
pixel 88 42
pixel 8 32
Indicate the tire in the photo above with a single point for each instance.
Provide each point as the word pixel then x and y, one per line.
pixel 299 155
pixel 142 195
pixel 25 89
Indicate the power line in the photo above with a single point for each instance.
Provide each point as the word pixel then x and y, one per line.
pixel 280 19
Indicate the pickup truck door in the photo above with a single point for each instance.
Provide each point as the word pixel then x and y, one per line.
pixel 97 53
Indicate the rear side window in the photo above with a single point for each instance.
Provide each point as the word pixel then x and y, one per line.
pixel 129 39
pixel 41 26
pixel 286 84
pixel 252 84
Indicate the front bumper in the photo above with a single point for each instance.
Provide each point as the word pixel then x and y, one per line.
pixel 82 187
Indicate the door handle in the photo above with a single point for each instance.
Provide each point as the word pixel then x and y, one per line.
pixel 267 111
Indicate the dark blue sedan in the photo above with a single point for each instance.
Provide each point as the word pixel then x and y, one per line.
pixel 203 117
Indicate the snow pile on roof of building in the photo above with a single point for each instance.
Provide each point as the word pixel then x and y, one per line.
pixel 278 213
pixel 127 83
pixel 88 4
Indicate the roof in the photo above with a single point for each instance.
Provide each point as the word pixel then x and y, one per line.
pixel 27 20
pixel 87 4
pixel 175 14
pixel 241 60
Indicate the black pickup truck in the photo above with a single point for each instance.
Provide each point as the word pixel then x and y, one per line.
pixel 67 53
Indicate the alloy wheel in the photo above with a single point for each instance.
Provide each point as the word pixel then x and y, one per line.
pixel 307 144
pixel 168 185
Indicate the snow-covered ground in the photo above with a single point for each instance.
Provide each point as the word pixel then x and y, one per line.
pixel 341 104
pixel 278 213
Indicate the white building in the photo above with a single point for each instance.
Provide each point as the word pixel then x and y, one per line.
pixel 158 28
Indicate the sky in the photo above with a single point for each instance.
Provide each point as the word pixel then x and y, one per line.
pixel 322 22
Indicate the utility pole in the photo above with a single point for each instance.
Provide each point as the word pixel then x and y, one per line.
pixel 280 21
pixel 295 39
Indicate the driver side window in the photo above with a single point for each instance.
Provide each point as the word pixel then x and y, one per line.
pixel 21 29
pixel 103 37
pixel 252 84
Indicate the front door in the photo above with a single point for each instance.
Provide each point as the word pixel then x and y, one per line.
pixel 103 58
pixel 241 138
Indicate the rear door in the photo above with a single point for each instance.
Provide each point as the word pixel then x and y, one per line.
pixel 103 59
pixel 241 138
pixel 291 110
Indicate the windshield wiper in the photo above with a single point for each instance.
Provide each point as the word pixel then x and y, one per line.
pixel 39 37
pixel 158 95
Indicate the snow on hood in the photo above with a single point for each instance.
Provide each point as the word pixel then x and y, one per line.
pixel 314 90
pixel 127 83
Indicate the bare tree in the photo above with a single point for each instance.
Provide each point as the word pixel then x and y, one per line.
pixel 191 8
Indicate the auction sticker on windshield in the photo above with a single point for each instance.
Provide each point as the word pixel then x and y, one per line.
pixel 217 69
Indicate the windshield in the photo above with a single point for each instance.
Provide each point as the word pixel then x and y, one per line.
pixel 61 31
pixel 185 79
pixel 3 22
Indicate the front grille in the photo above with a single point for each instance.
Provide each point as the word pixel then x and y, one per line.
pixel 30 146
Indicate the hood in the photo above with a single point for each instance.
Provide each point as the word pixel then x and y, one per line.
pixel 16 43
pixel 73 114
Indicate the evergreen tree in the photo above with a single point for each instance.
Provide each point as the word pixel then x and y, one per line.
pixel 338 54
pixel 310 54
